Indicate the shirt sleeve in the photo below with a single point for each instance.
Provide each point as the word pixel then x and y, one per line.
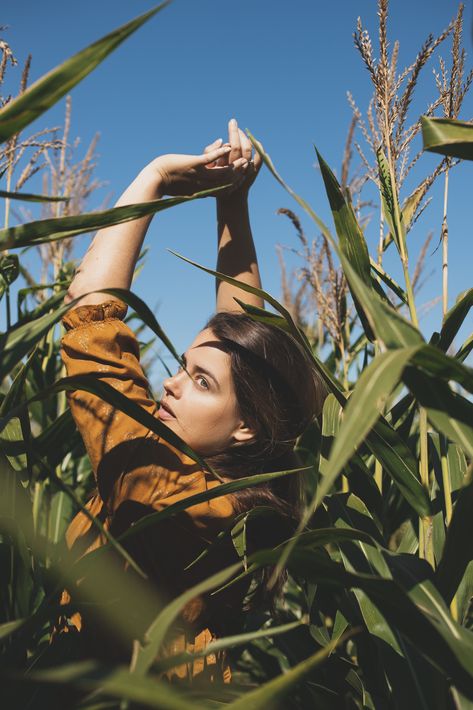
pixel 130 462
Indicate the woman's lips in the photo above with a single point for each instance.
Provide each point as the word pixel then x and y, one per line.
pixel 165 413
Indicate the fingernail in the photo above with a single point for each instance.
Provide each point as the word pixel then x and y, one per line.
pixel 233 121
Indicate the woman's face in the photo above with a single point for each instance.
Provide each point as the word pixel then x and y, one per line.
pixel 201 406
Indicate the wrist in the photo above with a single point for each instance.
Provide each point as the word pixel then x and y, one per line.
pixel 153 178
pixel 235 202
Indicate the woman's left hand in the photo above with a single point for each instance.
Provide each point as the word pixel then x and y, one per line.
pixel 187 174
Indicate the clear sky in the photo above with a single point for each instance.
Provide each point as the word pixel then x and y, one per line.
pixel 283 70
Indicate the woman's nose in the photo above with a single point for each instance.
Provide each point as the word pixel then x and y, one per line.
pixel 172 385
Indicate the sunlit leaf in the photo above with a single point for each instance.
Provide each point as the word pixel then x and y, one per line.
pixel 448 137
pixel 48 230
pixel 351 239
pixel 363 409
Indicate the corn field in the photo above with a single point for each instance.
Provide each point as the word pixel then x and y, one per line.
pixel 377 610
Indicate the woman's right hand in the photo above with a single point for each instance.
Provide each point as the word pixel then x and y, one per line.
pixel 187 174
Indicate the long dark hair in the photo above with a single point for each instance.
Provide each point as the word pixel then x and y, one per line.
pixel 278 394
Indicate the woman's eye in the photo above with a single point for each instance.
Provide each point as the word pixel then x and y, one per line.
pixel 202 382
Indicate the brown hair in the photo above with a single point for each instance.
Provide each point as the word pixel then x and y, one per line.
pixel 279 394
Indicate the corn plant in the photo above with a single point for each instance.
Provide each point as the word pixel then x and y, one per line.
pixel 377 610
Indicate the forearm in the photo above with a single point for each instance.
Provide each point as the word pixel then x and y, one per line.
pixel 111 257
pixel 236 254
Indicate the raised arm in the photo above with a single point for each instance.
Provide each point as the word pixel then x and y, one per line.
pixel 236 250
pixel 111 258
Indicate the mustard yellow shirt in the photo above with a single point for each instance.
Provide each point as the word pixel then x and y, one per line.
pixel 137 473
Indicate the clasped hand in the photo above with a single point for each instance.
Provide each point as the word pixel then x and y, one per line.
pixel 220 164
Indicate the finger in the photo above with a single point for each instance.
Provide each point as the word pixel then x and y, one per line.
pixel 213 146
pixel 224 176
pixel 224 160
pixel 246 147
pixel 240 164
pixel 234 140
pixel 213 155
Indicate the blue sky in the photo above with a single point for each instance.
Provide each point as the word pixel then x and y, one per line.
pixel 283 70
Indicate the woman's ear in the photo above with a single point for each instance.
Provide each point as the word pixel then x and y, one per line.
pixel 243 433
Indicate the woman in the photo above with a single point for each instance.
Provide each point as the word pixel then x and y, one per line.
pixel 247 392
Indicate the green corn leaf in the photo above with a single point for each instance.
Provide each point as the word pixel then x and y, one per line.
pixel 10 627
pixel 169 511
pixel 238 533
pixel 224 643
pixel 305 205
pixel 391 209
pixel 55 228
pixel 331 416
pixel 45 306
pixel 47 90
pixel 457 551
pixel 27 197
pixel 144 656
pixel 435 362
pixel 16 392
pixel 9 271
pixel 118 682
pixel 336 536
pixel 389 281
pixel 463 596
pixel 263 316
pixel 422 591
pixel 18 341
pixel 373 388
pixel 409 209
pixel 389 327
pixel 414 608
pixel 465 349
pixel 68 493
pixel 399 660
pixel 351 239
pixel 454 320
pixel 450 413
pixel 57 439
pixel 314 539
pixel 271 694
pixel 448 137
pixel 360 415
